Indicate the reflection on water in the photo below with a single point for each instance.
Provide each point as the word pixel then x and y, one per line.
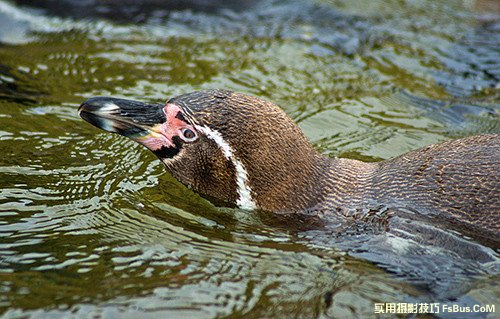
pixel 91 225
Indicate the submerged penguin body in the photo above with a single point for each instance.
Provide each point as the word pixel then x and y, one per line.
pixel 246 151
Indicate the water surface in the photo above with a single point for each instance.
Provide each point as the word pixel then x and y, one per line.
pixel 92 225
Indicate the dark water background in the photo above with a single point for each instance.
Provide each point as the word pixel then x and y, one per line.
pixel 91 224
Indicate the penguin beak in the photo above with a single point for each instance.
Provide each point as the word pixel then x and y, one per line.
pixel 129 118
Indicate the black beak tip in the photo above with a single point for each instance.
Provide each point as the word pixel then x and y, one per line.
pixel 99 104
pixel 82 108
pixel 97 111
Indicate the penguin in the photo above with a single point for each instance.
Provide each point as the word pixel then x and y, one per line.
pixel 245 151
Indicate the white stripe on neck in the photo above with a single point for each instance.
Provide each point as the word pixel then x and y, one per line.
pixel 245 200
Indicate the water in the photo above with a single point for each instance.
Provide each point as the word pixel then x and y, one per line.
pixel 92 225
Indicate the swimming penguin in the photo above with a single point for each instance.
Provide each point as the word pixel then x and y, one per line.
pixel 246 151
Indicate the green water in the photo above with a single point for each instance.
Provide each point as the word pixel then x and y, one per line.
pixel 91 225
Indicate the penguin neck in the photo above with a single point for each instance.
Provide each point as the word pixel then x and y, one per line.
pixel 287 179
pixel 309 181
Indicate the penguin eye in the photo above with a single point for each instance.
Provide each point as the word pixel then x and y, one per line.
pixel 188 135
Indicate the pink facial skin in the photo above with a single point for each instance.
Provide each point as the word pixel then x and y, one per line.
pixel 161 134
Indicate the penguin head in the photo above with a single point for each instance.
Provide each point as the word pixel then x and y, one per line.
pixel 227 146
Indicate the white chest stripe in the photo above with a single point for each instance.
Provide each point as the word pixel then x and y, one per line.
pixel 245 200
